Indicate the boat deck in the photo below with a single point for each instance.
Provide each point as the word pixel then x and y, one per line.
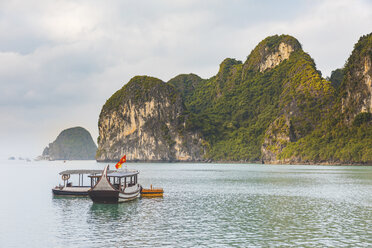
pixel 75 188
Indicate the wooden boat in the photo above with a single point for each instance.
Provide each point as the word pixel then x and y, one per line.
pixel 114 187
pixel 152 192
pixel 68 189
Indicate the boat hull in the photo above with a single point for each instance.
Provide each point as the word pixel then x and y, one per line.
pixel 111 196
pixel 104 196
pixel 66 192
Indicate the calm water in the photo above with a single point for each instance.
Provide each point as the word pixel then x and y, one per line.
pixel 204 205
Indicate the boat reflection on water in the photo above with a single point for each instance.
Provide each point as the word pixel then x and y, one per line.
pixel 122 212
pixel 65 203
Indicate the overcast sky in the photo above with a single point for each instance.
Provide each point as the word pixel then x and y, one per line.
pixel 61 60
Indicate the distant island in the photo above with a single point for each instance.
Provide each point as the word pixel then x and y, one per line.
pixel 71 144
pixel 19 158
pixel 274 108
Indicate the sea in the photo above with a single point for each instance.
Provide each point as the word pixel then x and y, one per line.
pixel 204 205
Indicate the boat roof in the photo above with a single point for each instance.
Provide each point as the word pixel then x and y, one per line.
pixel 82 172
pixel 110 173
pixel 122 173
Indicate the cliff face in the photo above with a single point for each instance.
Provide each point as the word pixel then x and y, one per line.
pixel 305 99
pixel 270 52
pixel 145 120
pixel 357 84
pixel 71 144
pixel 274 59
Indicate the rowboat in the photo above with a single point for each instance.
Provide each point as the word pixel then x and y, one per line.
pixel 152 192
pixel 114 187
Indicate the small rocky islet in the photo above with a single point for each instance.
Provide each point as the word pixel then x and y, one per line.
pixel 71 144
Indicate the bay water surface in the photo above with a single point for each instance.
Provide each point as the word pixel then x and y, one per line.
pixel 204 205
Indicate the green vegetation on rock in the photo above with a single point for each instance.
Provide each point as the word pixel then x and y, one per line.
pixel 138 89
pixel 235 108
pixel 336 78
pixel 344 134
pixel 333 143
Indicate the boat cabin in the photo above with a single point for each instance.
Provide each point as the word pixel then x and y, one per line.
pixel 67 174
pixel 114 186
pixel 119 180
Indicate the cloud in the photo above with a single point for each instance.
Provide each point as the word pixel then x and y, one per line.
pixel 61 60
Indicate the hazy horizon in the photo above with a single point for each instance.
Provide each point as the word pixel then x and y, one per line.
pixel 61 60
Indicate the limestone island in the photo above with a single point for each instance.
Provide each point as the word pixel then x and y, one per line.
pixel 71 144
pixel 276 107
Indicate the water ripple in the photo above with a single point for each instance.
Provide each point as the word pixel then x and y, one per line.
pixel 204 206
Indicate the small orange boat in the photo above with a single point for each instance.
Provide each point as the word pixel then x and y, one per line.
pixel 152 192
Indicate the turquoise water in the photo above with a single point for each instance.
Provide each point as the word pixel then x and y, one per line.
pixel 204 205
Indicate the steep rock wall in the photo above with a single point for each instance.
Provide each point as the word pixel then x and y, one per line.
pixel 270 53
pixel 145 120
pixel 305 99
pixel 274 59
pixel 357 84
pixel 359 96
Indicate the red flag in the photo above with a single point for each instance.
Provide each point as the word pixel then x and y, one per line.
pixel 122 160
